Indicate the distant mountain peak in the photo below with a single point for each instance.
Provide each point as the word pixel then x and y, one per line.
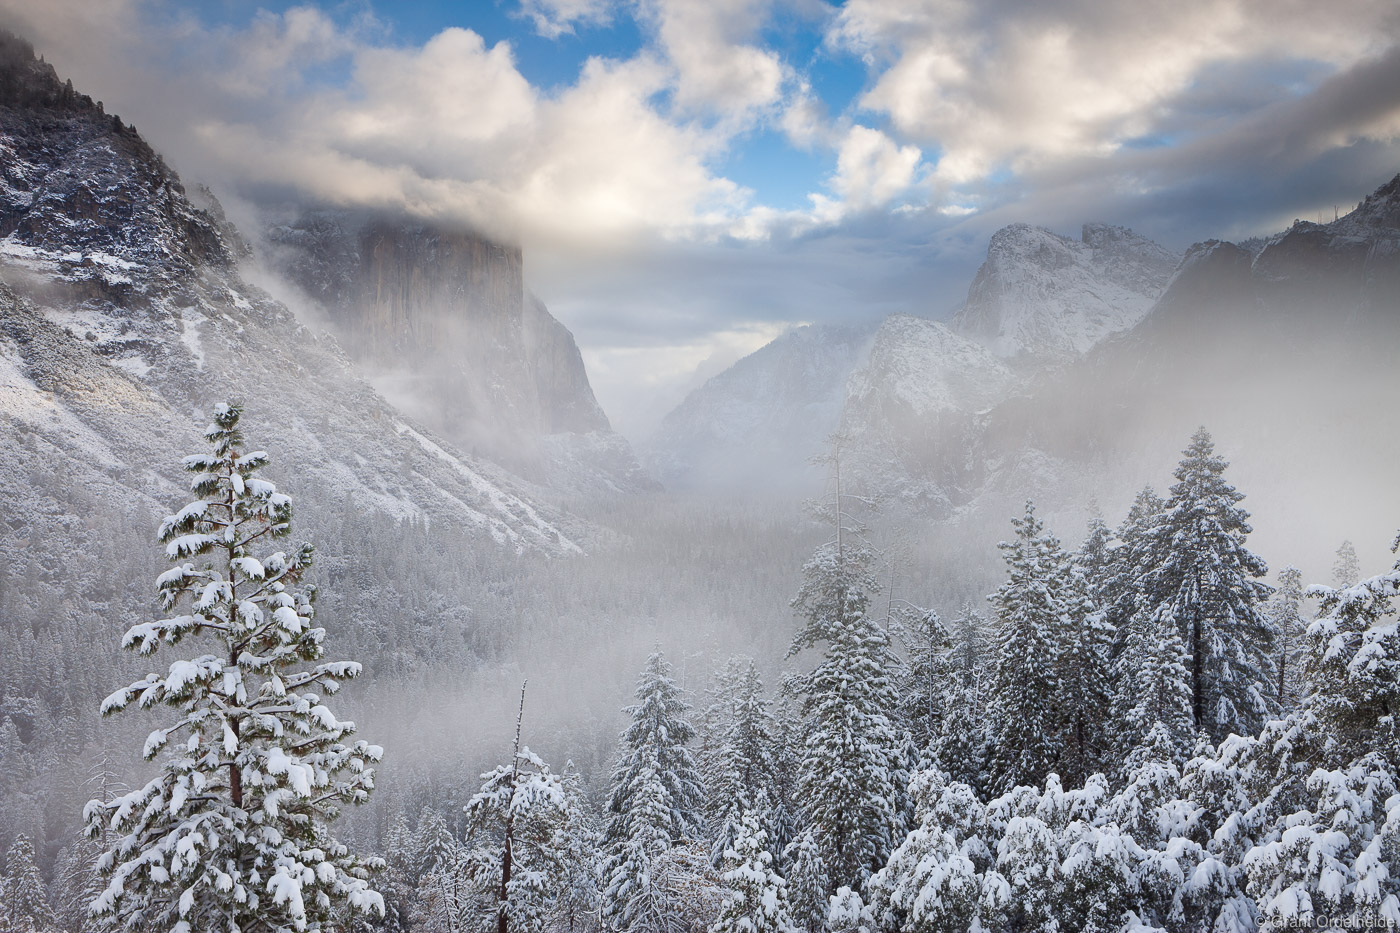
pixel 1041 295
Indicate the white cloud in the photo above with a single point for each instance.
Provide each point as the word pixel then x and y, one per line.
pixel 997 83
pixel 449 129
pixel 717 69
pixel 555 18
pixel 805 121
pixel 872 169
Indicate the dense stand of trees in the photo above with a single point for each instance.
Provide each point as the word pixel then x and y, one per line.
pixel 1137 734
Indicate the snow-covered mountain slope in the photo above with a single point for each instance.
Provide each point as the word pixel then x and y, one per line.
pixel 1047 297
pixel 1039 300
pixel 762 419
pixel 912 411
pixel 1285 347
pixel 439 318
pixel 125 319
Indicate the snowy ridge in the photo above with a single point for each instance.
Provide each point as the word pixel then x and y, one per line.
pixel 770 411
pixel 923 368
pixel 1042 295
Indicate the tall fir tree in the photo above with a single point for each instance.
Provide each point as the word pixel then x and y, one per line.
pixel 656 806
pixel 655 748
pixel 514 859
pixel 1283 613
pixel 1095 560
pixel 578 900
pixel 738 763
pixel 757 900
pixel 1346 571
pixel 1024 688
pixel 1130 561
pixel 1209 580
pixel 1082 668
pixel 24 902
pixel 853 772
pixel 853 768
pixel 960 748
pixel 808 884
pixel 516 825
pixel 233 832
pixel 1152 710
pixel 931 684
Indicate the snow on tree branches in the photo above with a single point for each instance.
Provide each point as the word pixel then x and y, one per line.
pixel 233 831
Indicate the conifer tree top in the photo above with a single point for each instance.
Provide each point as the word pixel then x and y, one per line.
pixel 232 833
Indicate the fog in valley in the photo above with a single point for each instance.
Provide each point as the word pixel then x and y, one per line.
pixel 767 483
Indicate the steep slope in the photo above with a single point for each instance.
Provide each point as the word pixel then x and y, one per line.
pixel 441 320
pixel 125 319
pixel 912 413
pixel 1049 298
pixel 761 420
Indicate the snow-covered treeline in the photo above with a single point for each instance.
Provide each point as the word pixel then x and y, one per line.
pixel 1135 734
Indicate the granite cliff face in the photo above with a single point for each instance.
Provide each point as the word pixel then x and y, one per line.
pixel 1046 297
pixel 442 320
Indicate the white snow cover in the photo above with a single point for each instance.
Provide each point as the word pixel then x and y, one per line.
pixel 1040 294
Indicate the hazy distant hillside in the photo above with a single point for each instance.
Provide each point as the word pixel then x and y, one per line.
pixel 759 422
pixel 441 321
pixel 1039 300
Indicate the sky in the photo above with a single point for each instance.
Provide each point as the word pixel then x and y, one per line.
pixel 690 178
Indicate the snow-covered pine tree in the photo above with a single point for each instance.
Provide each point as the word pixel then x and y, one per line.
pixel 233 832
pixel 738 762
pixel 1353 667
pixel 757 900
pixel 654 883
pixel 930 684
pixel 808 885
pixel 397 882
pixel 578 901
pixel 24 904
pixel 1299 826
pixel 1135 555
pixel 1024 684
pixel 1019 889
pixel 1095 560
pixel 933 880
pixel 433 846
pixel 852 773
pixel 511 863
pixel 76 883
pixel 960 748
pixel 443 895
pixel 1210 580
pixel 1083 671
pixel 655 749
pixel 1153 705
pixel 1282 611
pixel 656 805
pixel 1346 571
